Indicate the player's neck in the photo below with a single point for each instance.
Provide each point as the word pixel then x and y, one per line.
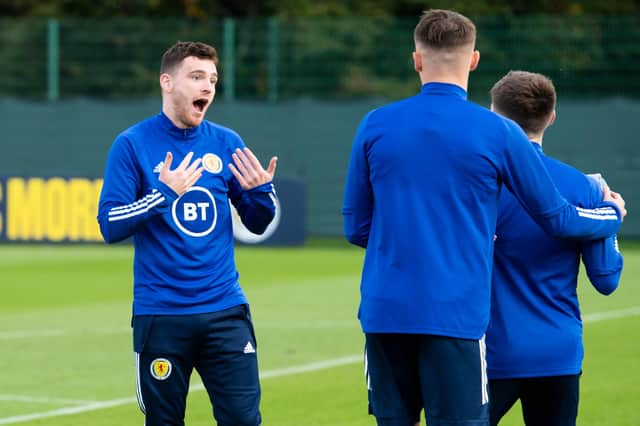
pixel 460 79
pixel 536 139
pixel 170 112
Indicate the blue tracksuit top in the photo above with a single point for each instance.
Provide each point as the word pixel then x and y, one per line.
pixel 184 259
pixel 535 328
pixel 422 196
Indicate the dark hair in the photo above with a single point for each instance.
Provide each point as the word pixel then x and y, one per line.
pixel 183 49
pixel 444 29
pixel 525 97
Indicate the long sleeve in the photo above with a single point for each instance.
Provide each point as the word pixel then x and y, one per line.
pixel 123 205
pixel 256 206
pixel 527 178
pixel 603 263
pixel 357 209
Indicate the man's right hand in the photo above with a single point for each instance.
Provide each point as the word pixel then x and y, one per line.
pixel 182 177
pixel 616 199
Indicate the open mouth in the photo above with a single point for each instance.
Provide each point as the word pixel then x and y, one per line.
pixel 200 104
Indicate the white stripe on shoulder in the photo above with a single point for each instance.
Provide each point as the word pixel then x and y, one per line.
pixel 607 209
pixel 144 200
pixel 153 191
pixel 601 213
pixel 134 206
pixel 138 211
pixel 598 216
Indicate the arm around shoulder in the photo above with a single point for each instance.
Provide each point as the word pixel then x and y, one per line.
pixel 526 176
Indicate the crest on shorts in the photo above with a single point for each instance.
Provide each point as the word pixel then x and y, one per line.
pixel 212 163
pixel 160 368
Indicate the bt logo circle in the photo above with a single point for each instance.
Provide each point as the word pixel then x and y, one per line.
pixel 195 213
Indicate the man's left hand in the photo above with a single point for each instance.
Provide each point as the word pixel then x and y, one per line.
pixel 249 171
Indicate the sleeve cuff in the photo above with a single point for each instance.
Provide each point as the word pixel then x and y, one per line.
pixel 264 188
pixel 615 207
pixel 169 194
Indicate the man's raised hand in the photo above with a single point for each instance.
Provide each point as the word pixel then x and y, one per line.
pixel 182 177
pixel 248 170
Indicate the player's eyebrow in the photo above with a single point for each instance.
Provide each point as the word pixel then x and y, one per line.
pixel 198 71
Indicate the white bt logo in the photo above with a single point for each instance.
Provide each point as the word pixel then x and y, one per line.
pixel 196 211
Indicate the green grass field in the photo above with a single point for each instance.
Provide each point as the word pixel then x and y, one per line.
pixel 66 354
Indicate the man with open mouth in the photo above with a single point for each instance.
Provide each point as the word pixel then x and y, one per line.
pixel 168 182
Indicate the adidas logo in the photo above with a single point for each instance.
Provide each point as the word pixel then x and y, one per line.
pixel 248 349
pixel 158 167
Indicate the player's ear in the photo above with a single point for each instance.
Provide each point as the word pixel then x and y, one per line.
pixel 166 84
pixel 552 118
pixel 475 59
pixel 417 61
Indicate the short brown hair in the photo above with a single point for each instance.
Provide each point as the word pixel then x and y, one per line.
pixel 183 49
pixel 527 98
pixel 444 29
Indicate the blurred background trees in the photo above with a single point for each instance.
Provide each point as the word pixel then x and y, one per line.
pixel 331 49
pixel 204 9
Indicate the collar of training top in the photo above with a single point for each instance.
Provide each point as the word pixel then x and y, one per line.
pixel 537 147
pixel 444 89
pixel 177 132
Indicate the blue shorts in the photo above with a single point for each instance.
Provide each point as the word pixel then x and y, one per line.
pixel 221 346
pixel 546 401
pixel 444 376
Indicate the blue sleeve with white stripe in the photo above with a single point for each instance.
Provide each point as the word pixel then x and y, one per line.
pixel 603 262
pixel 256 206
pixel 602 258
pixel 123 206
pixel 527 178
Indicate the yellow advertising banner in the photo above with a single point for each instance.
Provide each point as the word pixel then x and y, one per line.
pixel 55 209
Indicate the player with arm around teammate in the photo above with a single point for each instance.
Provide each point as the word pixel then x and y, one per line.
pixel 534 339
pixel 167 184
pixel 421 197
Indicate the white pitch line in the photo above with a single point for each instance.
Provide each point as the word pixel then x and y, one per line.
pixel 602 316
pixel 297 369
pixel 67 411
pixel 308 325
pixel 264 325
pixel 314 366
pixel 44 400
pixel 268 325
pixel 6 335
pixel 28 334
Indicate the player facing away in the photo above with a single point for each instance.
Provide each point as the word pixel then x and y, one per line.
pixel 421 196
pixel 168 183
pixel 534 339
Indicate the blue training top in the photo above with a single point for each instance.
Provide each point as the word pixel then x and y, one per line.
pixel 184 260
pixel 422 196
pixel 535 328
